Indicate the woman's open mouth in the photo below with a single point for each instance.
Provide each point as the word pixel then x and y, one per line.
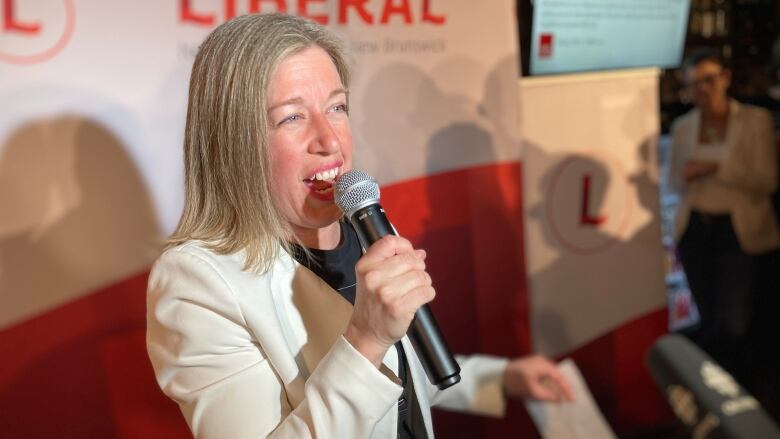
pixel 321 183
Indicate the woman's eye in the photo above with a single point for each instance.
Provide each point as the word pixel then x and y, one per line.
pixel 340 108
pixel 291 118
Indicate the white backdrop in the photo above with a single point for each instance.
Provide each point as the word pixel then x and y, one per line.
pixel 592 231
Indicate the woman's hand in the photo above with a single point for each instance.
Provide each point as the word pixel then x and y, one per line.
pixel 695 169
pixel 536 377
pixel 391 284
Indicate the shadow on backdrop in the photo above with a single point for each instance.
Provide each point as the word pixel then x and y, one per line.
pixel 77 234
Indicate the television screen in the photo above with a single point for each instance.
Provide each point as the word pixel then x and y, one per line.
pixel 584 35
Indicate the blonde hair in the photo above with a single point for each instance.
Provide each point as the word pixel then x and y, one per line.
pixel 228 202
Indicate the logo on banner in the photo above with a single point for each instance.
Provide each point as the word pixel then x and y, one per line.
pixel 34 31
pixel 588 203
pixel 545 45
pixel 346 11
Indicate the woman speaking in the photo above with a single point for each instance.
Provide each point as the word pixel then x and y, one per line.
pixel 264 318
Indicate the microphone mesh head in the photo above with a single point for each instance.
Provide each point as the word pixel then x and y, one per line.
pixel 355 189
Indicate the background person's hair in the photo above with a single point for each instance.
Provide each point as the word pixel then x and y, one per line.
pixel 701 55
pixel 228 201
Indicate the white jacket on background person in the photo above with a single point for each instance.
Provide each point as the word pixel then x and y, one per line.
pixel 252 356
pixel 750 170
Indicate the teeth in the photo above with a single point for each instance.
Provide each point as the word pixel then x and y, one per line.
pixel 327 175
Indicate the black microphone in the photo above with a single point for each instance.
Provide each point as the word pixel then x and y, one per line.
pixel 705 397
pixel 357 195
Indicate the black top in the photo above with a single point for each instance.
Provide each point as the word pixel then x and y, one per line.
pixel 337 268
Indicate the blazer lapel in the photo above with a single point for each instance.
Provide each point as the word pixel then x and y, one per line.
pixel 693 134
pixel 734 129
pixel 312 316
pixel 320 316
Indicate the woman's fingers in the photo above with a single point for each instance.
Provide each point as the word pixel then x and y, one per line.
pixel 401 288
pixel 394 258
pixel 391 285
pixel 388 246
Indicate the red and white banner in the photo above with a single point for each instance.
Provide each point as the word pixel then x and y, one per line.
pixel 593 232
pixel 93 99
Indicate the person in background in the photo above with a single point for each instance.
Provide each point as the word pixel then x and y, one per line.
pixel 765 326
pixel 772 102
pixel 264 318
pixel 724 165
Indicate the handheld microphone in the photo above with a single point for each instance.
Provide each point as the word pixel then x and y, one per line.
pixel 705 397
pixel 357 195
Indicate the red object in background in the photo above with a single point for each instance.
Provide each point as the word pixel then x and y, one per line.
pixel 10 23
pixel 545 45
pixel 13 24
pixel 81 370
pixel 586 219
pixel 682 306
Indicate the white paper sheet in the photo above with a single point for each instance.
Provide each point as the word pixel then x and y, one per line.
pixel 580 419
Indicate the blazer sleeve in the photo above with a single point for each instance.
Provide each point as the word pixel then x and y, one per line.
pixel 480 390
pixel 754 163
pixel 207 360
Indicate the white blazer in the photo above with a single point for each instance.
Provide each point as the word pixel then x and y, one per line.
pixel 750 168
pixel 253 356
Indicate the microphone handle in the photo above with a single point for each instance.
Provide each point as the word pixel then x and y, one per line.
pixel 443 371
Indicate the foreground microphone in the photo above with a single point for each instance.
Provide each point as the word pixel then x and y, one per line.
pixel 705 397
pixel 357 195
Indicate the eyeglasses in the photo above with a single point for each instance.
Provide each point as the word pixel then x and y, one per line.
pixel 707 80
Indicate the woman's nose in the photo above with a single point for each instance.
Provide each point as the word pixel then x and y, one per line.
pixel 325 141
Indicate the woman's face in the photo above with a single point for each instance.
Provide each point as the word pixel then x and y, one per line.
pixel 310 139
pixel 708 82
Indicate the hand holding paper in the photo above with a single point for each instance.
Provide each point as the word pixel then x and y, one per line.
pixel 536 377
pixel 578 419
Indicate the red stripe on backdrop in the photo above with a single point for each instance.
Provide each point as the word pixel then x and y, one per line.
pixel 640 403
pixel 613 366
pixel 470 223
pixel 81 370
